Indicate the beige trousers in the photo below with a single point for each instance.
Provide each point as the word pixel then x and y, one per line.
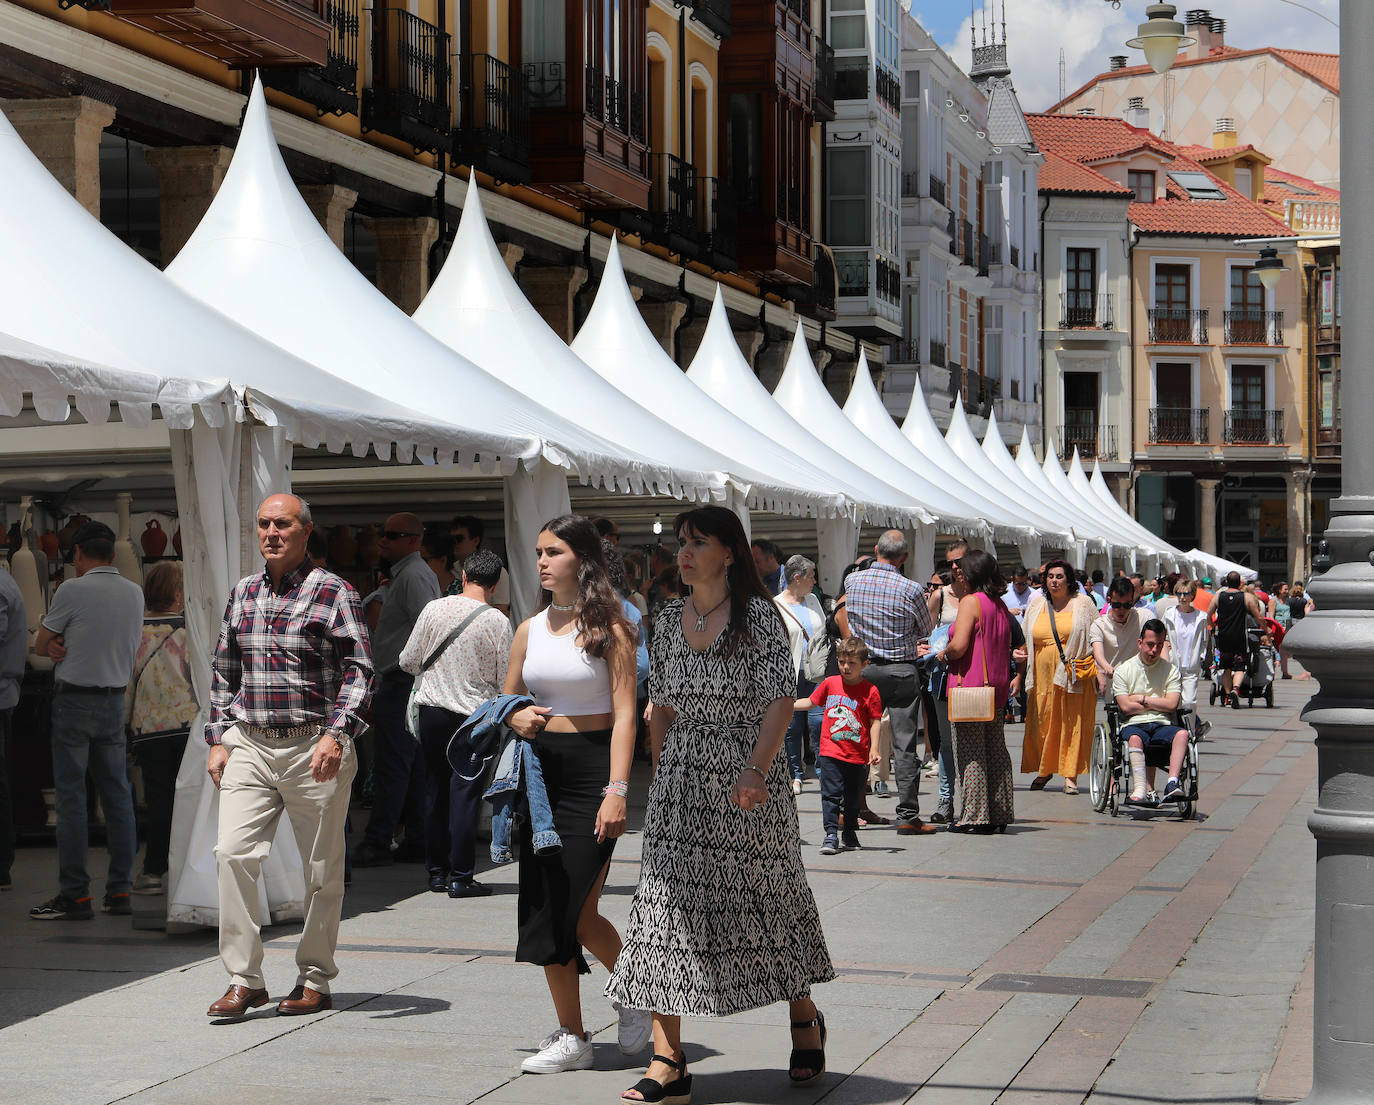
pixel 262 779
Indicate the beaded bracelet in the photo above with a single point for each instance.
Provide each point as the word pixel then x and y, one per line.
pixel 620 787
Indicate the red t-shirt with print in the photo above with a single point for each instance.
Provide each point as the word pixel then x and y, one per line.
pixel 848 713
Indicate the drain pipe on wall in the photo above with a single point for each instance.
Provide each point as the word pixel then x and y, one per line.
pixel 1044 422
pixel 1130 334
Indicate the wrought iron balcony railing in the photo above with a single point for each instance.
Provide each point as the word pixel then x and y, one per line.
pixel 1081 430
pixel 1086 311
pixel 937 189
pixel 714 15
pixel 1015 257
pixel 492 131
pixel 333 86
pixel 984 254
pixel 937 353
pixel 1244 426
pixel 1179 426
pixel 852 267
pixel 718 220
pixel 889 89
pixel 823 92
pixel 966 243
pixel 408 98
pixel 1178 326
pixel 594 94
pixel 1254 327
pixel 851 82
pixel 673 197
pixel 953 231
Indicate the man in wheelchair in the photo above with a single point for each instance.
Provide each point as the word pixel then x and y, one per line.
pixel 1147 690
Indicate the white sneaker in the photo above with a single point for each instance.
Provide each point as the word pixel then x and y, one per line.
pixel 880 789
pixel 636 1028
pixel 148 884
pixel 796 786
pixel 559 1052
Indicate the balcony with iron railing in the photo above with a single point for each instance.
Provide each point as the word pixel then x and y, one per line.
pixel 888 89
pixel 851 81
pixel 265 34
pixel 332 87
pixel 714 15
pixel 673 199
pixel 1179 426
pixel 492 130
pixel 911 186
pixel 984 255
pixel 937 353
pixel 718 221
pixel 937 189
pixel 1094 440
pixel 408 98
pixel 1177 326
pixel 966 243
pixel 953 231
pixel 889 280
pixel 1253 327
pixel 1244 426
pixel 1087 311
pixel 852 268
pixel 823 91
pixel 1015 255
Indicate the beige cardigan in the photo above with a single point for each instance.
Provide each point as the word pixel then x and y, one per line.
pixel 1084 613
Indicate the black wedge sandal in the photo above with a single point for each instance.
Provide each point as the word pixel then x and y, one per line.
pixel 676 1092
pixel 808 1058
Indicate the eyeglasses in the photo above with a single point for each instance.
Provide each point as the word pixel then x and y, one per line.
pixel 1121 605
pixel 397 534
pixel 955 563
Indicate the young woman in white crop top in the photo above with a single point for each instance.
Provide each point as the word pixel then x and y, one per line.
pixel 576 659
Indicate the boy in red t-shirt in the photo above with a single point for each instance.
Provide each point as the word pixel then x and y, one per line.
pixel 852 710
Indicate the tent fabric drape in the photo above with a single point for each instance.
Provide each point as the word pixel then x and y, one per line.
pixel 837 540
pixel 532 498
pixel 221 474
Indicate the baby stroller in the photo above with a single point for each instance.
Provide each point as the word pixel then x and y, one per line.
pixel 1262 661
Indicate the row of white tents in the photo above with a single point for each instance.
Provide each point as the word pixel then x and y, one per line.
pixel 261 338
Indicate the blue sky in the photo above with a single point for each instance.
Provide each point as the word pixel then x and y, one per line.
pixel 1090 31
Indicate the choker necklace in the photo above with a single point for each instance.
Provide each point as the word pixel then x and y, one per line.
pixel 700 627
pixel 563 609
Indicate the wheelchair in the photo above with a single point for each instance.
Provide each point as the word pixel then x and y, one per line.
pixel 1109 769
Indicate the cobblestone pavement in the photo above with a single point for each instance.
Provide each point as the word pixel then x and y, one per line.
pixel 1077 957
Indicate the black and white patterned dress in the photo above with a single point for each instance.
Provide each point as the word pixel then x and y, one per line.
pixel 723 919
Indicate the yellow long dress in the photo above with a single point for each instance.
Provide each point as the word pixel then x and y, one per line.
pixel 1059 725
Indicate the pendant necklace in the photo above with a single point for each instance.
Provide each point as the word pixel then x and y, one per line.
pixel 700 627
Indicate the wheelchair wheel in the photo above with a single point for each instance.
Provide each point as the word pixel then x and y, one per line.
pixel 1213 692
pixel 1100 768
pixel 1188 808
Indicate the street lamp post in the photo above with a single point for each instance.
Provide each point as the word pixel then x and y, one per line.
pixel 1336 643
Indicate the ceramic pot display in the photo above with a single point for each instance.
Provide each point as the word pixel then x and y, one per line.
pixel 153 538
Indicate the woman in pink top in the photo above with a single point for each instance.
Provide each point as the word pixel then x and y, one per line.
pixel 979 654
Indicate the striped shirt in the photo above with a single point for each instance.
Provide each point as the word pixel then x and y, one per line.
pixel 887 612
pixel 297 656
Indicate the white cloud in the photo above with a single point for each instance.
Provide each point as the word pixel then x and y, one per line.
pixel 1091 31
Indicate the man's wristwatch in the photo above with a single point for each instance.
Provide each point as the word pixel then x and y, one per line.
pixel 340 738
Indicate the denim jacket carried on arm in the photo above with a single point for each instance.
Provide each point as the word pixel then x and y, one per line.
pixel 518 787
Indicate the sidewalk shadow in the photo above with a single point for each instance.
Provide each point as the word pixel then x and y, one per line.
pixel 389 1007
pixel 771 1087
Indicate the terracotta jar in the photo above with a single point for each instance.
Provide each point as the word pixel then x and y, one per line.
pixel 154 538
pixel 49 544
pixel 67 532
pixel 369 547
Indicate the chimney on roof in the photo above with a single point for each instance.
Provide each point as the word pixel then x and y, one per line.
pixel 1136 113
pixel 1209 31
pixel 1116 61
pixel 1224 134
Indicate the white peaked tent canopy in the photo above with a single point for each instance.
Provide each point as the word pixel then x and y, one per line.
pixel 1217 567
pixel 802 394
pixel 1086 519
pixel 1104 495
pixel 476 308
pixel 617 344
pixel 720 370
pixel 975 470
pixel 260 255
pixel 865 410
pixel 1112 511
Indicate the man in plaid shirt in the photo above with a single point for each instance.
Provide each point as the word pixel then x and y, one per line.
pixel 888 613
pixel 292 674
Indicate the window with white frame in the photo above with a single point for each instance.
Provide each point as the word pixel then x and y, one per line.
pixel 850 195
pixel 992 342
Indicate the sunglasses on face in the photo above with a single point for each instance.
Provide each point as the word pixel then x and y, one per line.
pixel 1121 605
pixel 397 534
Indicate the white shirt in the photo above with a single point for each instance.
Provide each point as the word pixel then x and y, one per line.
pixel 1017 603
pixel 472 669
pixel 1187 636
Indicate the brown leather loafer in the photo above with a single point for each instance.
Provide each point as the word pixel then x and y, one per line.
pixel 914 828
pixel 303 1000
pixel 237 1001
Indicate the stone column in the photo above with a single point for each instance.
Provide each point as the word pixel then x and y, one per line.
pixel 1208 514
pixel 188 177
pixel 750 341
pixel 550 290
pixel 403 258
pixel 511 254
pixel 64 134
pixel 770 361
pixel 838 379
pixel 1299 488
pixel 689 336
pixel 330 204
pixel 663 320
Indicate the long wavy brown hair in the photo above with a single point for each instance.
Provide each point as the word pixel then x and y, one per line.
pixel 599 612
pixel 742 577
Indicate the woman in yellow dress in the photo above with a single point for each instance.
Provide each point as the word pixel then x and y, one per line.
pixel 1060 707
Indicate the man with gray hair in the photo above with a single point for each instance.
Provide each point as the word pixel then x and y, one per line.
pixel 888 612
pixel 804 619
pixel 290 679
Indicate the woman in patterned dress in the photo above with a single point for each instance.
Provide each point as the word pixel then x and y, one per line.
pixel 723 919
pixel 979 655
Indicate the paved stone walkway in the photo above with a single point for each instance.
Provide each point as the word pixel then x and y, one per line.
pixel 1077 958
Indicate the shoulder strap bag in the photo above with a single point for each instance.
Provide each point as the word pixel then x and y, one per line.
pixel 1079 669
pixel 413 707
pixel 815 651
pixel 967 704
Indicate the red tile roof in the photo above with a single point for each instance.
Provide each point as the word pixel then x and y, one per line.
pixel 1208 154
pixel 1275 194
pixel 1093 138
pixel 1064 177
pixel 1325 69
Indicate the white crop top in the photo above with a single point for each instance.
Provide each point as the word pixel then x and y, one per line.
pixel 561 676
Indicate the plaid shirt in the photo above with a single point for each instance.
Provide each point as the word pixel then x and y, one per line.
pixel 297 657
pixel 887 612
